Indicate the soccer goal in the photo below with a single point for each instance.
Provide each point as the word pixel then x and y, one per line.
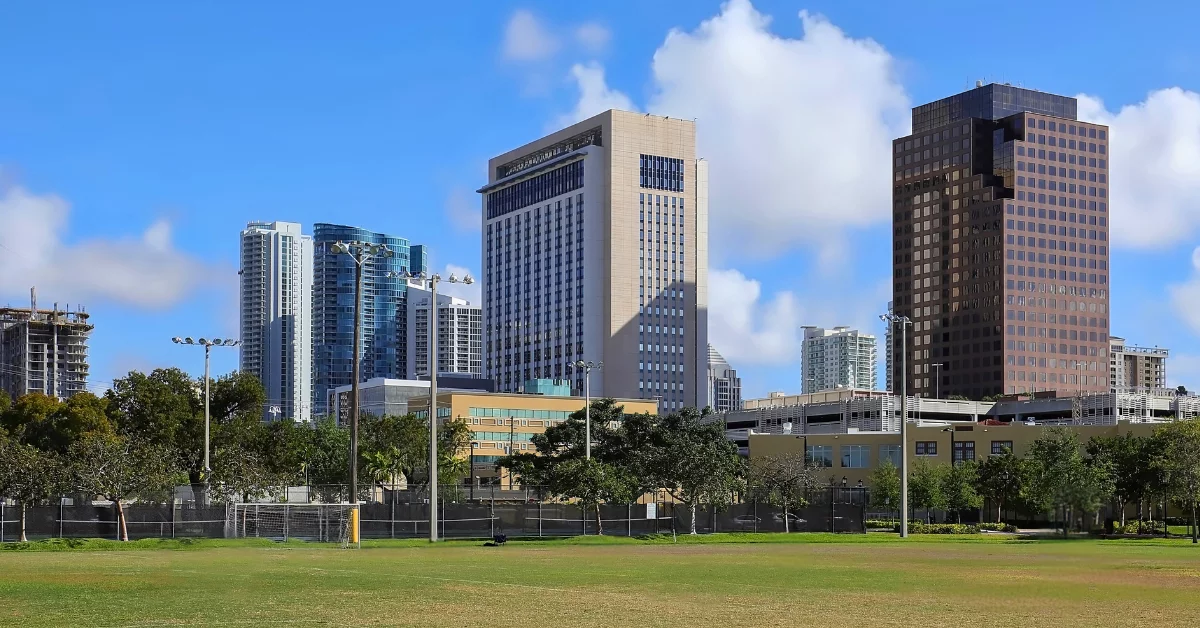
pixel 325 523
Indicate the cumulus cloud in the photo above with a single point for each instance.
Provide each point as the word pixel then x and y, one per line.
pixel 797 131
pixel 527 39
pixel 594 95
pixel 747 329
pixel 462 208
pixel 145 271
pixel 1185 297
pixel 593 37
pixel 1155 165
pixel 471 292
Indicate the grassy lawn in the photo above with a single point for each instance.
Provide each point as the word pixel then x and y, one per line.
pixel 797 580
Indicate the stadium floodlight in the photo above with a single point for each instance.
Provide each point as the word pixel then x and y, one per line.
pixel 587 368
pixel 360 252
pixel 208 345
pixel 891 318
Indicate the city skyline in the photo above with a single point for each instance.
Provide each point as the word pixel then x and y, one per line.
pixel 122 193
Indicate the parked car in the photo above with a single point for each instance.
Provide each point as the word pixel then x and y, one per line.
pixel 747 521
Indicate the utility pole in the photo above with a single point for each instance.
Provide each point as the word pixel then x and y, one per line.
pixel 891 318
pixel 512 426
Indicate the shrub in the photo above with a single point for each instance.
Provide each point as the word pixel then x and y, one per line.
pixel 998 527
pixel 880 523
pixel 918 527
pixel 1141 527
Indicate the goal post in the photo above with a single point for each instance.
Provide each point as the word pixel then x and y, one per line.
pixel 320 523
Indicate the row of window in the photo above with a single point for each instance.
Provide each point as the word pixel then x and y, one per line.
pixel 1070 129
pixel 858 456
pixel 535 190
pixel 660 173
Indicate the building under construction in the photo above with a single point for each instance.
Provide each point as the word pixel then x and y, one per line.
pixel 43 351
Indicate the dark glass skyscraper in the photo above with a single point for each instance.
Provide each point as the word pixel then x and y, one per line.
pixel 383 315
pixel 1000 245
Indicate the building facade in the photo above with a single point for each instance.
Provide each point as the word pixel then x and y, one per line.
pixel 837 358
pixel 595 248
pixel 504 423
pixel 43 351
pixel 1133 369
pixel 276 278
pixel 384 337
pixel 1000 248
pixel 724 385
pixel 460 340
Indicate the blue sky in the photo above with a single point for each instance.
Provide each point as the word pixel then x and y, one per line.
pixel 136 141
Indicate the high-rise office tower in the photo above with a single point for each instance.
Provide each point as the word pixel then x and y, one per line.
pixel 724 385
pixel 43 351
pixel 837 358
pixel 276 316
pixel 1000 250
pixel 595 248
pixel 384 335
pixel 459 331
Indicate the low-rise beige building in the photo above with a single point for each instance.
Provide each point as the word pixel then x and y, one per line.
pixel 503 423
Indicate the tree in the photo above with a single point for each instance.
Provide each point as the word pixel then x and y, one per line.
pixel 958 488
pixel 392 447
pixel 782 480
pixel 454 440
pixel 1062 479
pixel 1001 479
pixel 925 487
pixel 592 482
pixel 28 475
pixel 1181 463
pixel 565 441
pixel 1129 460
pixel 885 487
pixel 696 463
pixel 119 468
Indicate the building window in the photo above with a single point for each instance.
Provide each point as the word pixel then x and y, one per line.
pixel 964 450
pixel 855 456
pixel 890 452
pixel 661 173
pixel 998 446
pixel 820 455
pixel 927 448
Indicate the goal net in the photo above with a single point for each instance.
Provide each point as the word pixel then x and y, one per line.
pixel 324 523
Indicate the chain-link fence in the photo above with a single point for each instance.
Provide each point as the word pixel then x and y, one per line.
pixel 403 513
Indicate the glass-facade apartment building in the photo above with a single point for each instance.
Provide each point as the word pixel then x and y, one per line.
pixel 384 320
pixel 1000 245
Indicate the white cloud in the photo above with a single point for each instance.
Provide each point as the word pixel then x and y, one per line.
pixel 593 37
pixel 1155 166
pixel 145 271
pixel 594 95
pixel 1185 297
pixel 1184 370
pixel 797 132
pixel 749 330
pixel 462 207
pixel 526 39
pixel 471 292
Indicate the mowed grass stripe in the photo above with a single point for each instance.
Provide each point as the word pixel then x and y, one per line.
pixel 821 584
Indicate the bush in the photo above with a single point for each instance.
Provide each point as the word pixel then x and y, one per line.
pixel 880 523
pixel 998 527
pixel 1141 527
pixel 918 527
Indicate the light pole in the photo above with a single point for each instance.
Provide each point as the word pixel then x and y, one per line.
pixel 937 382
pixel 361 253
pixel 587 367
pixel 434 280
pixel 208 345
pixel 892 319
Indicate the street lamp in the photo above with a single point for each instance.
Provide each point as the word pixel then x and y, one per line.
pixel 587 367
pixel 433 280
pixel 361 253
pixel 892 318
pixel 208 345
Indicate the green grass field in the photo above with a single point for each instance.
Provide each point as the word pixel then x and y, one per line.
pixel 799 580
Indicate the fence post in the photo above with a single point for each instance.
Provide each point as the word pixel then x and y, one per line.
pixel 286 509
pixel 629 519
pixel 256 520
pixel 393 514
pixel 754 513
pixel 60 520
pixel 1 520
pixel 539 518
